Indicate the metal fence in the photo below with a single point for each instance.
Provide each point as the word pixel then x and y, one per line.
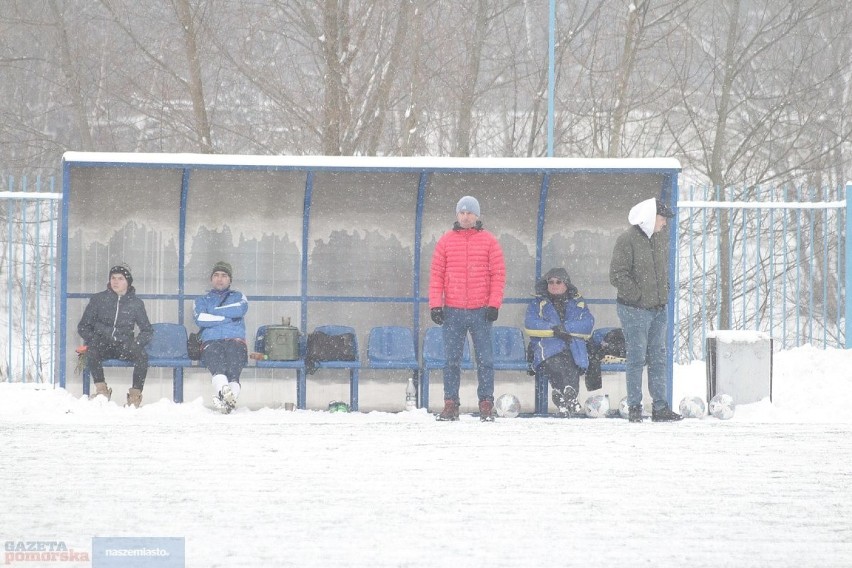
pixel 762 259
pixel 29 213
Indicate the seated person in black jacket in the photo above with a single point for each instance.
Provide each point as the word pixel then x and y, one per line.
pixel 108 327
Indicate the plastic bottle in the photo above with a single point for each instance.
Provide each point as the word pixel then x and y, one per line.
pixel 410 395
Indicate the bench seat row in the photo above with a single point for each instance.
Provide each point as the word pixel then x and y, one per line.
pixel 388 347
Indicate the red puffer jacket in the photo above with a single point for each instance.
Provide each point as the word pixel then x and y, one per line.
pixel 467 271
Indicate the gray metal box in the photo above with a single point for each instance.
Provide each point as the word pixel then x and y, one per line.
pixel 739 363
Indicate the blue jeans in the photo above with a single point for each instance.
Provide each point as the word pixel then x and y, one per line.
pixel 457 323
pixel 645 338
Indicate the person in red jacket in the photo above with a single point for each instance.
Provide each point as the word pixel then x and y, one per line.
pixel 466 284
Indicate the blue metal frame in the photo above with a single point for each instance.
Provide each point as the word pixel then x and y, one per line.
pixel 670 196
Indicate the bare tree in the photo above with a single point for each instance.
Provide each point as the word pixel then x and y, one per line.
pixel 741 92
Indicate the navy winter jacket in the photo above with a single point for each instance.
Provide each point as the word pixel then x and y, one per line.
pixel 542 317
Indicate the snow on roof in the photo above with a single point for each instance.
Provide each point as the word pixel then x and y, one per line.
pixel 739 336
pixel 372 162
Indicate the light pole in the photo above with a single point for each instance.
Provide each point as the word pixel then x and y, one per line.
pixel 551 74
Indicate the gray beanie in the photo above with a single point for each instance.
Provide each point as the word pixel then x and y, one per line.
pixel 468 203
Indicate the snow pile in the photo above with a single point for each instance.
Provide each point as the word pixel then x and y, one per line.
pixel 808 385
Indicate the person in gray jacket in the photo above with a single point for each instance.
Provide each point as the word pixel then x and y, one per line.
pixel 639 271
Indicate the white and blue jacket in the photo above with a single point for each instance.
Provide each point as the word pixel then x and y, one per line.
pixel 542 317
pixel 219 315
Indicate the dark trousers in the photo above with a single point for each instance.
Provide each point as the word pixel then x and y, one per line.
pixel 225 357
pixel 561 371
pixel 97 352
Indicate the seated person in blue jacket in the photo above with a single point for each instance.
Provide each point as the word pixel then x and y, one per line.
pixel 219 315
pixel 558 324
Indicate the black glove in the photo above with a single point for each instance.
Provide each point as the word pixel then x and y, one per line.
pixel 437 315
pixel 491 313
pixel 560 333
pixel 530 369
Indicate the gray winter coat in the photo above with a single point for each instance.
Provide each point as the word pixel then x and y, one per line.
pixel 639 266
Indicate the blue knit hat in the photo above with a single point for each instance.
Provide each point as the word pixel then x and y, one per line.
pixel 468 203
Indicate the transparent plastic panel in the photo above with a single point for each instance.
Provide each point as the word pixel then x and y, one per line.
pixel 251 219
pixel 362 234
pixel 124 215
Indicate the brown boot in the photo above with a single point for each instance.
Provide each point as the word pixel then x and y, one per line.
pixel 486 410
pixel 102 388
pixel 450 412
pixel 134 397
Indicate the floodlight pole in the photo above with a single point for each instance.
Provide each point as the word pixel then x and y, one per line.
pixel 551 80
pixel 848 265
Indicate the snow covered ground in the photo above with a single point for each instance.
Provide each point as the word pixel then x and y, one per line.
pixel 769 488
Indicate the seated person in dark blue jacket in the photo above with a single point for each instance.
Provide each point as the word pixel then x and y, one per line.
pixel 558 324
pixel 219 315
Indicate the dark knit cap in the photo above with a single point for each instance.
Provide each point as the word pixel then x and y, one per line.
pixel 664 210
pixel 223 266
pixel 559 273
pixel 124 271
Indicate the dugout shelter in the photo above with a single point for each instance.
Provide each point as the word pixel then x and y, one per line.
pixel 333 240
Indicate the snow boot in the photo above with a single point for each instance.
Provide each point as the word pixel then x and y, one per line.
pixel 566 402
pixel 224 401
pixel 102 388
pixel 229 397
pixel 486 410
pixel 634 413
pixel 450 412
pixel 134 397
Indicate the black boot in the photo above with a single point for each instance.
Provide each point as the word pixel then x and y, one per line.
pixel 665 414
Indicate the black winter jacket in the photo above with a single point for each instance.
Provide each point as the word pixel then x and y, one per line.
pixel 110 318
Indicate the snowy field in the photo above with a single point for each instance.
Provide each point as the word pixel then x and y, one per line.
pixel 769 488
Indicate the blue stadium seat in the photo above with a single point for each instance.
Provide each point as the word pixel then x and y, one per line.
pixel 298 364
pixel 434 357
pixel 392 347
pixel 510 351
pixel 167 348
